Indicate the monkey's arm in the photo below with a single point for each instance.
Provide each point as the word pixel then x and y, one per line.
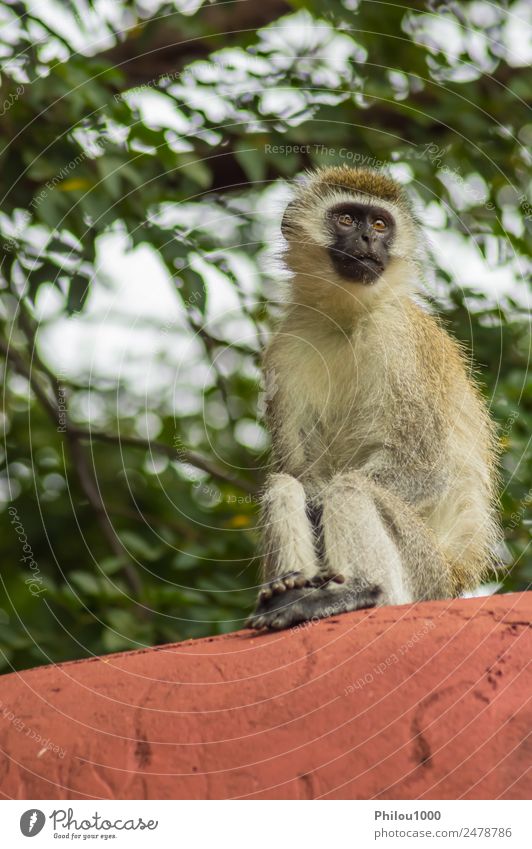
pixel 411 459
pixel 287 454
pixel 414 477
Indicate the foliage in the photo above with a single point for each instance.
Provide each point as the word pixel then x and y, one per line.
pixel 139 512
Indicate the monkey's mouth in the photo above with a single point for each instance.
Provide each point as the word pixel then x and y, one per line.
pixel 370 261
pixel 360 268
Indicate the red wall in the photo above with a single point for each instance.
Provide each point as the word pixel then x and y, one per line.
pixel 420 701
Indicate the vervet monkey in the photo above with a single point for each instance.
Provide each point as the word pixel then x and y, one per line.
pixel 383 451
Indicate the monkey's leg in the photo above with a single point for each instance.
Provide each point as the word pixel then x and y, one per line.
pixel 289 559
pixel 373 538
pixel 376 544
pixel 362 540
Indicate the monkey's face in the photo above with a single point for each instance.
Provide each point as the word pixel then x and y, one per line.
pixel 352 237
pixel 361 239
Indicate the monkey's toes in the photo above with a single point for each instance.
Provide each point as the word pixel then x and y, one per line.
pixel 256 622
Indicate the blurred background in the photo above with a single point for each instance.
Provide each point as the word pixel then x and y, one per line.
pixel 146 151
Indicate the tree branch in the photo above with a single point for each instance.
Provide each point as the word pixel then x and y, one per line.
pixel 85 473
pixel 89 485
pixel 181 455
pixel 18 362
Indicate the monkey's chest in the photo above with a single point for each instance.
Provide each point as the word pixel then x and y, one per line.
pixel 334 405
pixel 335 443
pixel 337 426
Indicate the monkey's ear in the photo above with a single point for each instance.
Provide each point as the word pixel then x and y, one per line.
pixel 287 225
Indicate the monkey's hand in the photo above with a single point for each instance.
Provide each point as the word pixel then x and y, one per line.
pixel 310 602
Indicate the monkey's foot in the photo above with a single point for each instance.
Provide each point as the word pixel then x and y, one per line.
pixel 310 603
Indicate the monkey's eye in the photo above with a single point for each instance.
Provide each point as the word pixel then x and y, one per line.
pixel 379 224
pixel 345 219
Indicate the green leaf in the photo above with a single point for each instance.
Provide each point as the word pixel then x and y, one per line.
pixel 85 582
pixel 138 546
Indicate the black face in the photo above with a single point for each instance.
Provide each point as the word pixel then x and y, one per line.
pixel 362 236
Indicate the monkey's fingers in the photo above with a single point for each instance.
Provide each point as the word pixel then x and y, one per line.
pixel 296 580
pixel 289 581
pixel 324 580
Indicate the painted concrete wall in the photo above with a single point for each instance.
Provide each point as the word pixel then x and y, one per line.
pixel 419 701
